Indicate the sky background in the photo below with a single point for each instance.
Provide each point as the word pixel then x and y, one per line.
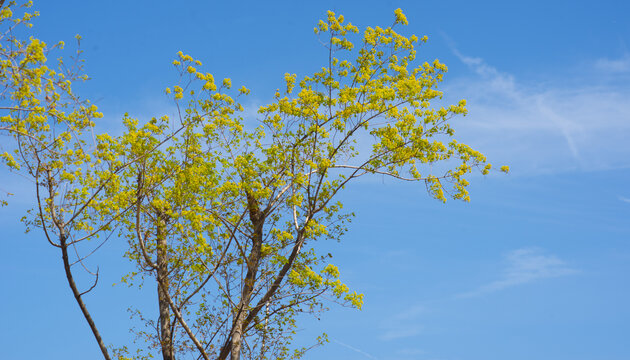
pixel 535 267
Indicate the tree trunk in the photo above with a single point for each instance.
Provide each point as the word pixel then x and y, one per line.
pixel 166 338
pixel 253 260
pixel 77 295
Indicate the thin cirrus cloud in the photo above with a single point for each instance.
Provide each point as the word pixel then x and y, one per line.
pixel 551 126
pixel 403 324
pixel 523 266
pixel 621 65
pixel 400 333
pixel 357 350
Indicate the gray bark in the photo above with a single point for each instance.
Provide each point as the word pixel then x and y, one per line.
pixel 166 338
pixel 253 260
pixel 77 295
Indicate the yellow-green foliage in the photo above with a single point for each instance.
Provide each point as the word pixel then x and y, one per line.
pixel 222 173
pixel 232 208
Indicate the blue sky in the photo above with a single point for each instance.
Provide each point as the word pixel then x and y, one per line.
pixel 535 267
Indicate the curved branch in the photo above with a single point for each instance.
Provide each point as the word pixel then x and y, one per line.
pixel 93 285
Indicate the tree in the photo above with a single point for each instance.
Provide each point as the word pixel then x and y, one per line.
pixel 223 215
pixel 242 206
pixel 48 124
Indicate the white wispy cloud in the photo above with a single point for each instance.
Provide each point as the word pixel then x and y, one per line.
pixel 624 199
pixel 367 355
pixel 411 352
pixel 619 65
pixel 545 126
pixel 403 324
pixel 400 333
pixel 524 266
